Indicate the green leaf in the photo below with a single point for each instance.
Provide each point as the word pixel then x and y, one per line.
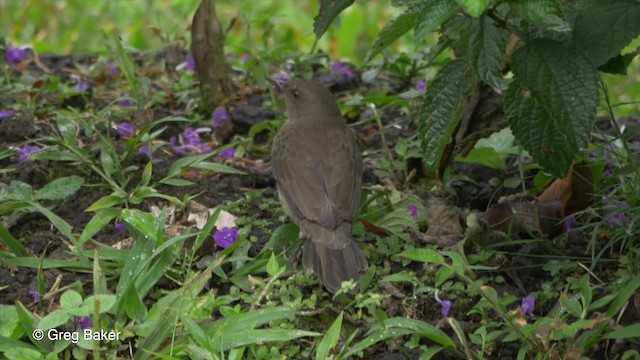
pixel 11 243
pixel 107 162
pixel 62 226
pixel 106 302
pixel 141 221
pixel 328 11
pixel 394 29
pixel 56 156
pixel 330 338
pixel 627 332
pixel 60 188
pixel 552 102
pixel 141 193
pixel 146 174
pixel 423 255
pixel 282 238
pixel 474 8
pixel 97 222
pixel 603 29
pixel 485 156
pixel 486 49
pixel 272 265
pixel 68 130
pixel 54 319
pixel 442 109
pixel 106 202
pixel 545 14
pixel 256 336
pixel 176 182
pixel 434 13
pixel 216 167
pixel 9 322
pixel 18 191
pixel 70 299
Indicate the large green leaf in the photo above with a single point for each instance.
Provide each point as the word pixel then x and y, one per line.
pixel 396 28
pixel 434 13
pixel 552 102
pixel 545 14
pixel 606 27
pixel 60 188
pixel 328 11
pixel 442 109
pixel 486 49
pixel 474 8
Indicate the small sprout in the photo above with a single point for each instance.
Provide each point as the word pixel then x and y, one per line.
pixel 225 237
pixel 219 115
pixel 413 210
pixel 337 66
pixel 125 129
pixel 421 86
pixel 527 306
pixel 227 154
pixel 25 152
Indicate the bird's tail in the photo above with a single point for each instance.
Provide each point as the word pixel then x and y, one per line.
pixel 333 255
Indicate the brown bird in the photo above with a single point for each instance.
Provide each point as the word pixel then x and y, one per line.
pixel 318 171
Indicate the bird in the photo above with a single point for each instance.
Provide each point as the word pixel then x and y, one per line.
pixel 318 171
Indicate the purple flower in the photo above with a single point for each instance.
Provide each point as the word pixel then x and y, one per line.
pixel 113 69
pixel 421 86
pixel 244 58
pixel 34 295
pixel 14 55
pixel 25 151
pixel 569 223
pixel 527 306
pixel 225 237
pixel 5 113
pixel 616 220
pixel 85 322
pixel 145 150
pixel 219 115
pixel 190 65
pixel 227 154
pixel 189 142
pixel 119 227
pixel 343 69
pixel 413 210
pixel 125 129
pixel 445 307
pixel 281 79
pixel 126 101
pixel 82 85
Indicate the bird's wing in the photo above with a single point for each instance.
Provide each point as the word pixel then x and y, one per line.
pixel 320 180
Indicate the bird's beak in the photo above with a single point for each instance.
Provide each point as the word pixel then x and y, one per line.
pixel 275 84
